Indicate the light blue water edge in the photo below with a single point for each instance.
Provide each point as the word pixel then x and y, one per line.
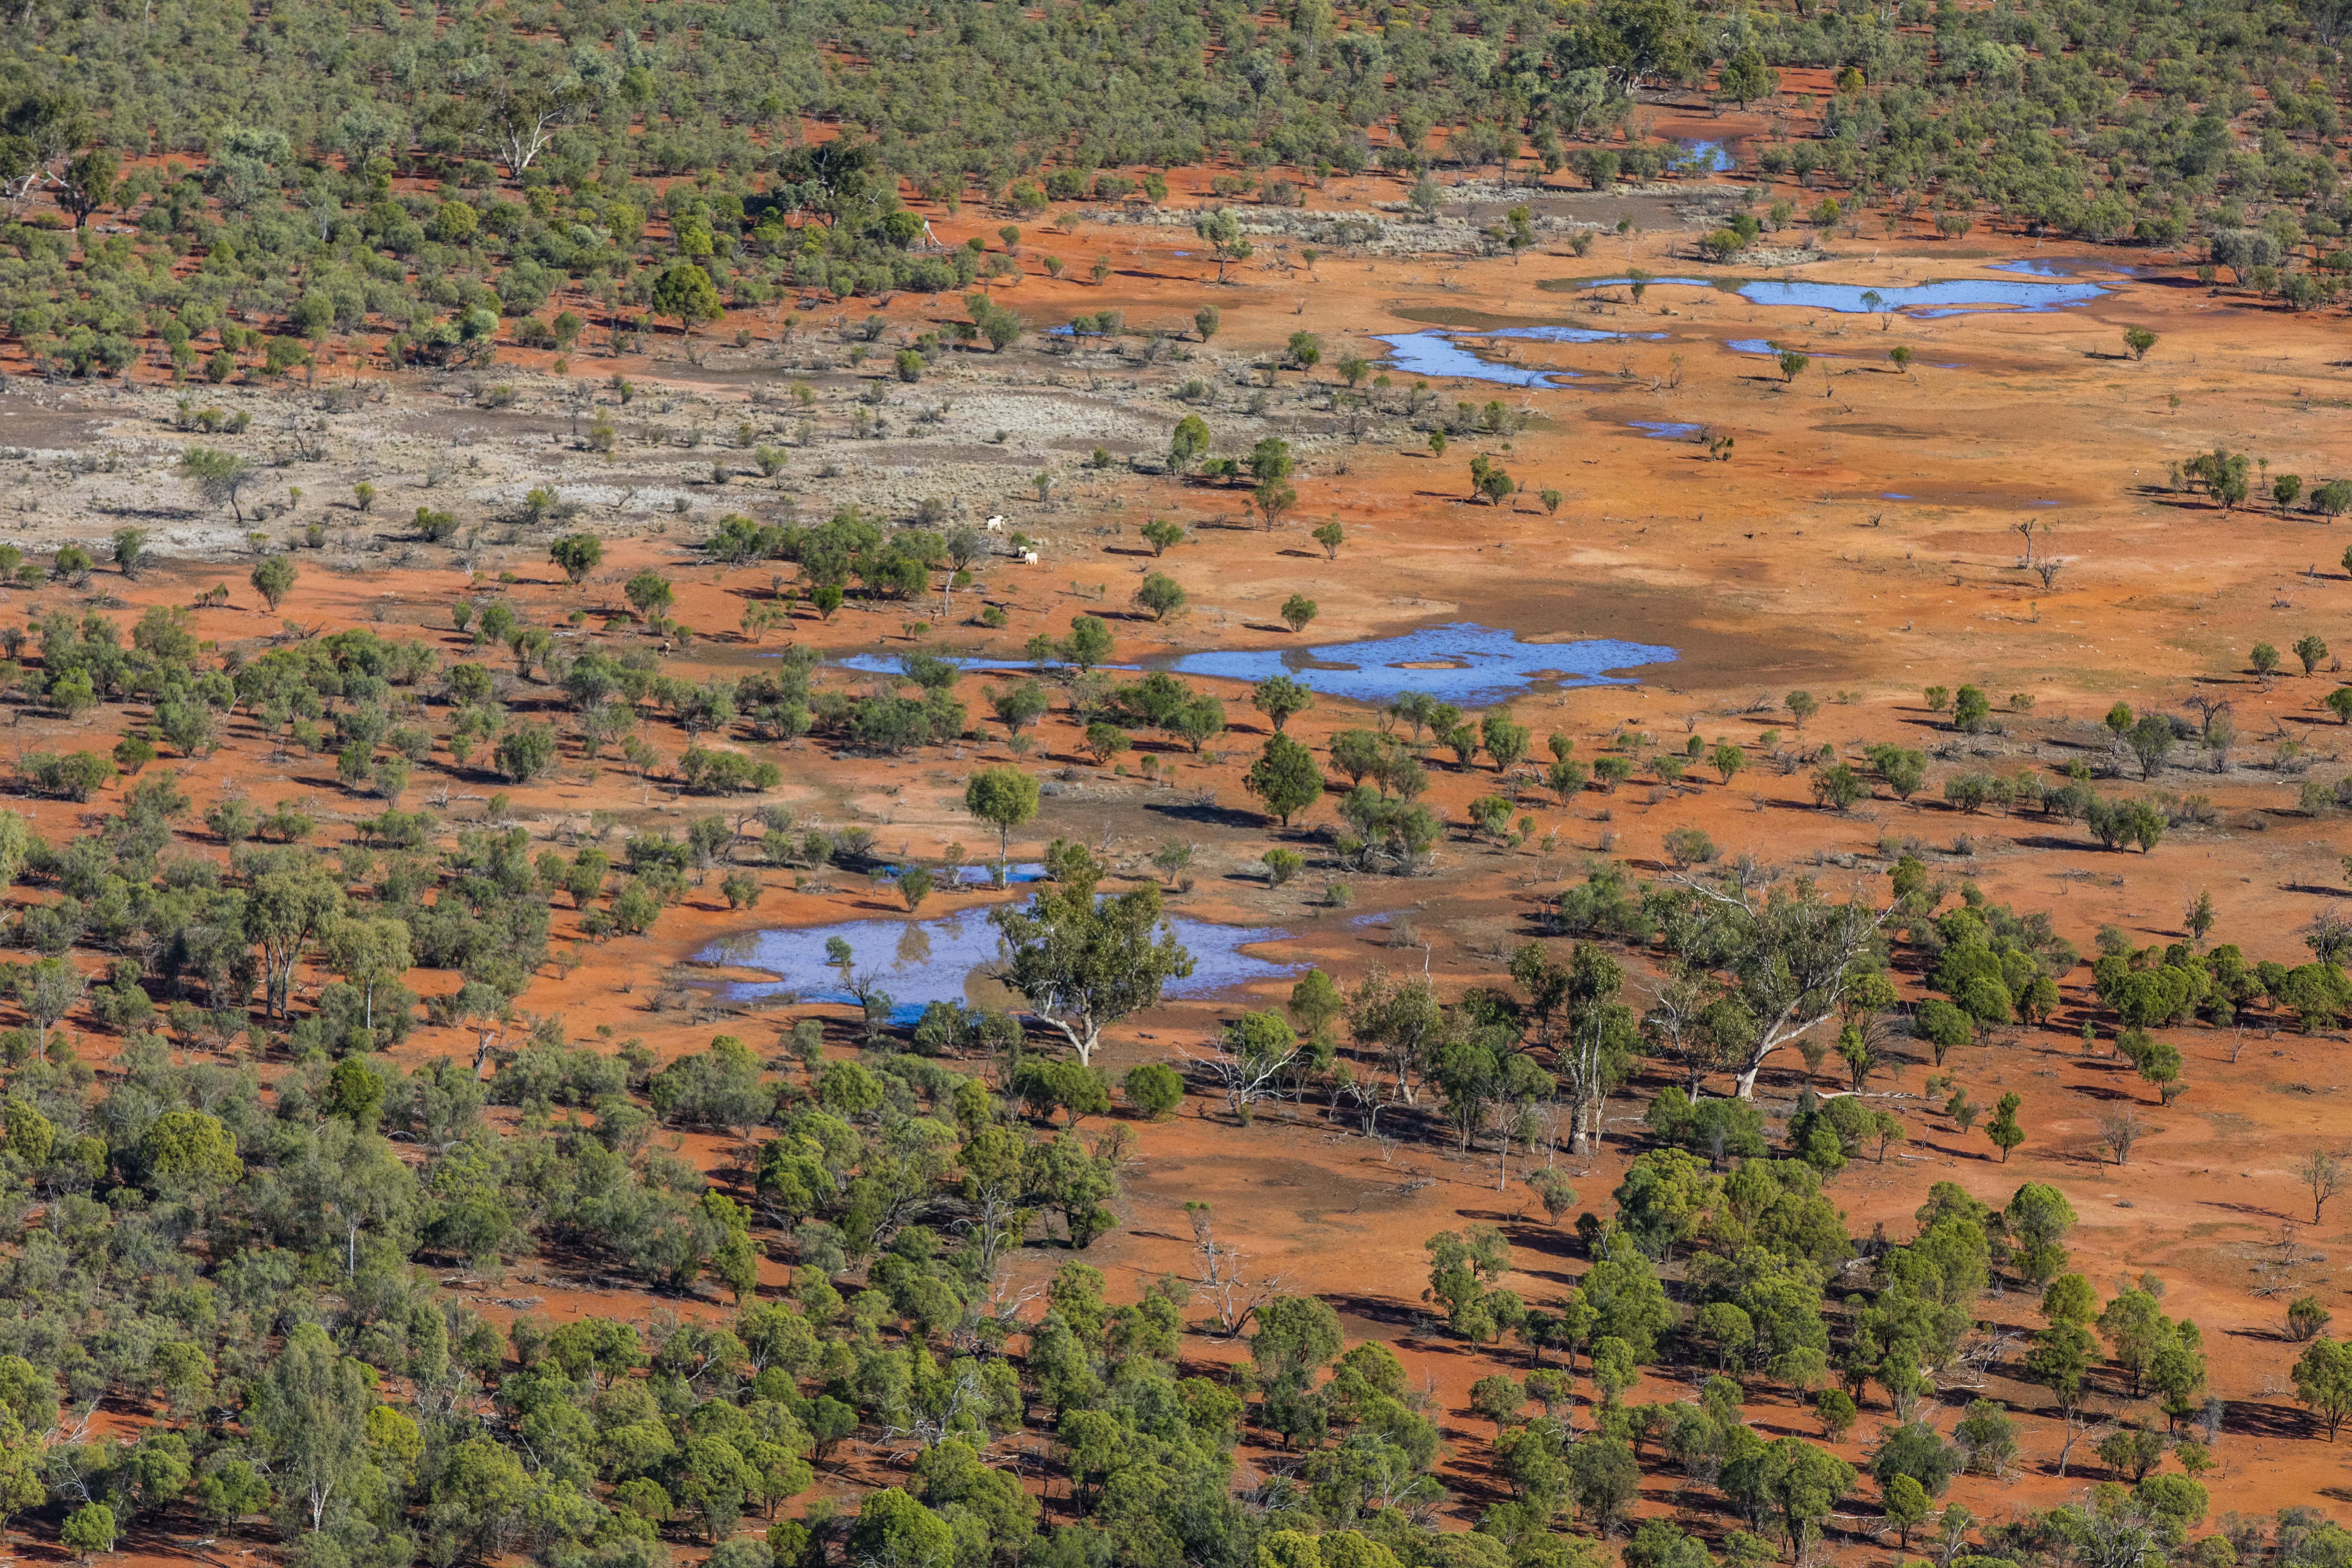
pixel 1951 297
pixel 1462 663
pixel 954 958
pixel 1436 353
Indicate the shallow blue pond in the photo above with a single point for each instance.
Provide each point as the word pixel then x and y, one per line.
pixel 1705 157
pixel 1763 346
pixel 1436 354
pixel 918 963
pixel 1464 664
pixel 1952 297
pixel 1627 282
pixel 979 876
pixel 1572 335
pixel 2034 267
pixel 1665 429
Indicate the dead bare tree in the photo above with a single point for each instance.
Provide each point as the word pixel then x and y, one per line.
pixel 1244 1076
pixel 1225 1279
pixel 2084 1425
pixel 2323 1172
pixel 2119 1129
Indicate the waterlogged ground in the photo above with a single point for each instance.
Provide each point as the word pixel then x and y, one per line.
pixel 1954 297
pixel 1464 663
pixel 953 958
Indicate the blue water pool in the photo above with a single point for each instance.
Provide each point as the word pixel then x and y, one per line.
pixel 2035 267
pixel 1651 282
pixel 1704 157
pixel 981 876
pixel 1572 335
pixel 1465 664
pixel 918 963
pixel 1665 429
pixel 1952 297
pixel 1762 347
pixel 1436 354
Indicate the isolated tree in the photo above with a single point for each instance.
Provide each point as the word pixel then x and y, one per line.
pixel 130 550
pixel 1792 364
pixel 1188 444
pixel 2138 340
pixel 2310 648
pixel 1160 593
pixel 1285 777
pixel 1272 497
pixel 2322 1381
pixel 219 476
pixel 1221 232
pixel 273 579
pixel 649 593
pixel 2151 740
pixel 2323 1172
pixel 1085 961
pixel 2003 1128
pixel 1004 798
pixel 1298 610
pixel 1163 535
pixel 577 555
pixel 1330 536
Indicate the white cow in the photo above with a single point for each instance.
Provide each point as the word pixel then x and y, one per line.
pixel 1029 557
pixel 996 524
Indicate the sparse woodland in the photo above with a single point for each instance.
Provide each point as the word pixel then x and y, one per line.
pixel 250 1237
pixel 267 188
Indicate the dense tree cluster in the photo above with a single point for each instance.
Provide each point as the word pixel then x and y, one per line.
pixel 286 153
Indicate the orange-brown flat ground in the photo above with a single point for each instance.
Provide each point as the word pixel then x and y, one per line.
pixel 1784 567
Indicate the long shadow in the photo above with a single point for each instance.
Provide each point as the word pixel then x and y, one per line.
pixel 1208 814
pixel 2267 1420
pixel 2270 1336
pixel 1375 1309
